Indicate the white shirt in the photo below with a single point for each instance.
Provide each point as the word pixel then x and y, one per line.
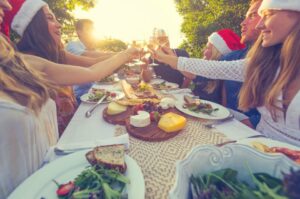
pixel 24 141
pixel 285 129
pixel 76 47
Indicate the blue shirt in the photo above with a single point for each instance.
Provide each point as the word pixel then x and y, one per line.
pixel 78 48
pixel 232 88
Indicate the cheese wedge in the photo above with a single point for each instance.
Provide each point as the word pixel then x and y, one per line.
pixel 142 119
pixel 115 108
pixel 171 122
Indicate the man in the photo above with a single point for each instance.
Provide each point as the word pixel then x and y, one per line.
pixel 86 44
pixel 248 36
pixel 85 47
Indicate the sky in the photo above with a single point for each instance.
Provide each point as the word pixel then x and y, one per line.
pixel 129 20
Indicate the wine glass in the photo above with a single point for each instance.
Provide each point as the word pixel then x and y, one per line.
pixel 140 45
pixel 153 45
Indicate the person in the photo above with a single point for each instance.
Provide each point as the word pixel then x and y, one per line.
pixel 270 73
pixel 231 88
pixel 219 43
pixel 28 114
pixel 162 70
pixel 40 35
pixel 85 46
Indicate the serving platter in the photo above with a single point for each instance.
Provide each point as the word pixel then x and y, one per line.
pixel 242 158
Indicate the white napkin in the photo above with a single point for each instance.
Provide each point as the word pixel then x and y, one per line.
pixel 236 130
pixel 122 139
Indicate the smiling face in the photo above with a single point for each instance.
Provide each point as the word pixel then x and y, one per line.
pixel 207 51
pixel 54 26
pixel 4 6
pixel 248 32
pixel 276 25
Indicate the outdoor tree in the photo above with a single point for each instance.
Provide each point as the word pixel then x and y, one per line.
pixel 202 17
pixel 63 8
pixel 113 45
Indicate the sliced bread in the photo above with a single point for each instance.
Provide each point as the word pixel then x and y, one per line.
pixel 111 156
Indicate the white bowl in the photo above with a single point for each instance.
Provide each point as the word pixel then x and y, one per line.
pixel 205 159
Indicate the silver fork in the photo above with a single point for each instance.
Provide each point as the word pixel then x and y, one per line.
pixel 212 125
pixel 89 112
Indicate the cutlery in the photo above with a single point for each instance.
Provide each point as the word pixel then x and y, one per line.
pixel 212 125
pixel 64 149
pixel 89 112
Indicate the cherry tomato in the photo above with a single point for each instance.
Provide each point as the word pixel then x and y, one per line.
pixel 65 189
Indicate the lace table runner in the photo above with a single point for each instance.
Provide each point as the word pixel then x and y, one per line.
pixel 158 159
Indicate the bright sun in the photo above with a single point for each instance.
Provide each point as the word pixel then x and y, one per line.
pixel 134 19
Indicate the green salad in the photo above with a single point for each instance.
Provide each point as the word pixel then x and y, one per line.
pixel 224 184
pixel 95 182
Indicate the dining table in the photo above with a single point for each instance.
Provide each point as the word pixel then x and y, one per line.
pixel 157 160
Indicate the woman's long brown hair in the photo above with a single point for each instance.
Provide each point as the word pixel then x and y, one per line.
pixel 269 72
pixel 38 41
pixel 22 83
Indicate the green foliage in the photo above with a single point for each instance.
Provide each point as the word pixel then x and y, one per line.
pixel 202 17
pixel 113 45
pixel 63 8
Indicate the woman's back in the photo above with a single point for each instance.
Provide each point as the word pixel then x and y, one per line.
pixel 25 139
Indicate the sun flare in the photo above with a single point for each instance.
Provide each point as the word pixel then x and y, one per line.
pixel 134 19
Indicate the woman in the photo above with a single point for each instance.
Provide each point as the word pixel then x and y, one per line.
pixel 41 36
pixel 272 73
pixel 28 115
pixel 219 43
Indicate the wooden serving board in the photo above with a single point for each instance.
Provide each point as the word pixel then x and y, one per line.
pixel 150 133
pixel 119 118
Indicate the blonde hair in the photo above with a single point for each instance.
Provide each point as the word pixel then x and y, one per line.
pixel 262 85
pixel 25 85
pixel 212 84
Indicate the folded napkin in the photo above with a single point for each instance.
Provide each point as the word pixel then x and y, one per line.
pixel 71 147
pixel 236 130
pixel 177 91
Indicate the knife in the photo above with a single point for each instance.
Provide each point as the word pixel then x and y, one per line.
pixel 212 125
pixel 89 112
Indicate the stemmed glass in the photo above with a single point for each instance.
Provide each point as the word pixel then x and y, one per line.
pixel 140 45
pixel 153 45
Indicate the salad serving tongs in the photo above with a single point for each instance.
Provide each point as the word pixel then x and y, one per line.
pixel 90 111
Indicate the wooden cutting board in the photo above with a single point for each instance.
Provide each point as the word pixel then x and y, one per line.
pixel 150 133
pixel 119 118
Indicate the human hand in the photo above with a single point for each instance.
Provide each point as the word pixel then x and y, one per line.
pixel 168 51
pixel 133 53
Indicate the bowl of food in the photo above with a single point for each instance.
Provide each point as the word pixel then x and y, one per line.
pixel 234 170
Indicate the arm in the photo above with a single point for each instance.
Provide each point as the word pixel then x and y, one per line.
pixel 63 74
pixel 83 60
pixel 97 54
pixel 227 70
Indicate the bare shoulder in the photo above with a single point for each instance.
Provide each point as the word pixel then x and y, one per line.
pixel 35 62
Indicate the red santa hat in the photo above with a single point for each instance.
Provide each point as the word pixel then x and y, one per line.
pixel 21 15
pixel 226 41
pixel 293 5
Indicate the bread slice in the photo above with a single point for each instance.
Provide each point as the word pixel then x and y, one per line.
pixel 111 156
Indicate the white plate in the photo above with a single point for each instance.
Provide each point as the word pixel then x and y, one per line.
pixel 222 113
pixel 85 97
pixel 205 159
pixel 169 84
pixel 65 169
pixel 268 142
